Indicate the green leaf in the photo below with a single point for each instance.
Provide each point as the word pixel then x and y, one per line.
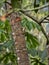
pixel 1 48
pixel 16 4
pixel 24 3
pixel 2 25
pixel 36 63
pixel 3 37
pixel 44 55
pixel 7 26
pixel 8 44
pixel 38 27
pixel 6 60
pixel 32 51
pixel 30 24
pixel 1 1
pixel 43 1
pixel 27 24
pixel 42 64
pixel 32 40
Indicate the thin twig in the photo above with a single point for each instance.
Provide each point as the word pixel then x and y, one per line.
pixel 43 31
pixel 28 6
pixel 37 8
pixel 33 18
pixel 44 18
pixel 8 14
pixel 47 19
pixel 8 3
pixel 45 22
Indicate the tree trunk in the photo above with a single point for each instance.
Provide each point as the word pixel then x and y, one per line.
pixel 19 39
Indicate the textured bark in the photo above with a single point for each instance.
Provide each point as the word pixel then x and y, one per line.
pixel 19 39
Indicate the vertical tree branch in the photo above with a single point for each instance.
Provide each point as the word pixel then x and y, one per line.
pixel 19 39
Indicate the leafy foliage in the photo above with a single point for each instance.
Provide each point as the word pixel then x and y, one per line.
pixel 32 41
pixel 6 42
pixel 27 24
pixel 15 3
pixel 8 57
pixel 4 30
pixel 36 61
pixel 6 49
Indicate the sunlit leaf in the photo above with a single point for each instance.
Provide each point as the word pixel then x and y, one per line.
pixel 32 40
